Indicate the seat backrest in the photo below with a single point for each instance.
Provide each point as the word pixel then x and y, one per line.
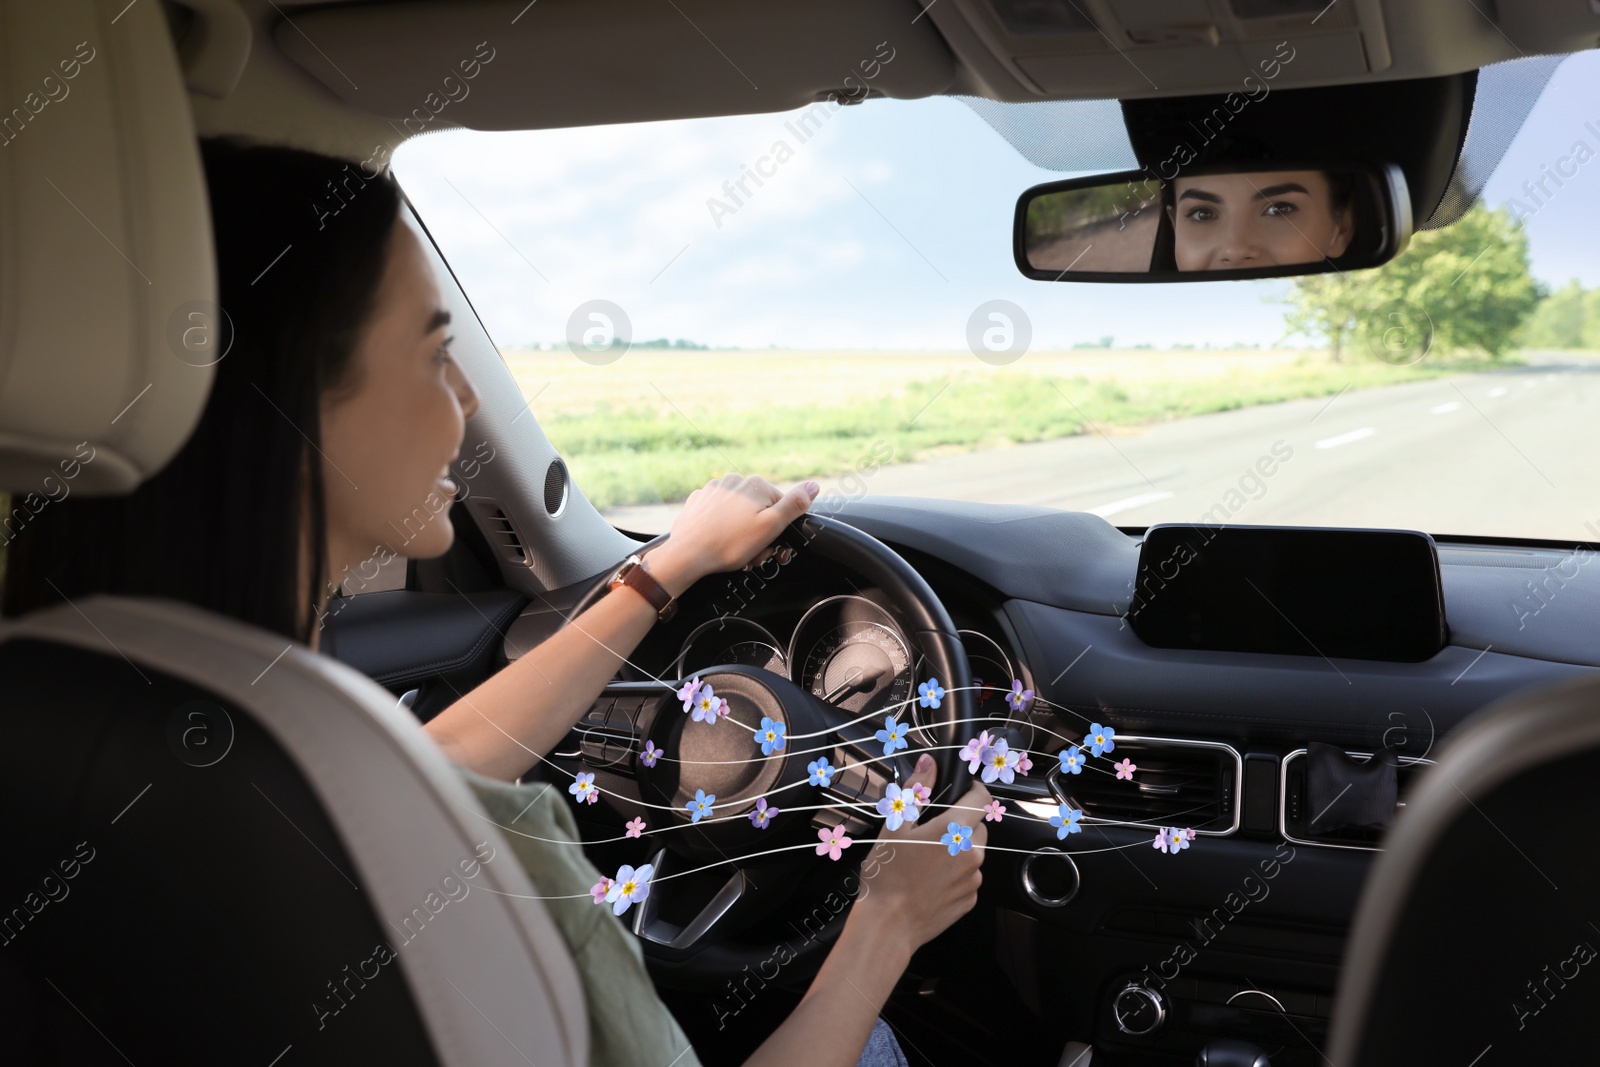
pixel 219 849
pixel 222 847
pixel 1476 937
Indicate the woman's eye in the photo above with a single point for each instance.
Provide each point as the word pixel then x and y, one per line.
pixel 1200 214
pixel 1282 209
pixel 443 354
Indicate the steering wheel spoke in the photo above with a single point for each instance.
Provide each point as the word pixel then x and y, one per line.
pixel 650 926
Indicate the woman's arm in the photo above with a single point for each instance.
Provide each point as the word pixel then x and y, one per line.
pixel 500 728
pixel 916 890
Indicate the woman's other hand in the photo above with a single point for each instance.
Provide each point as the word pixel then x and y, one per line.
pixel 727 524
pixel 912 882
pixel 913 888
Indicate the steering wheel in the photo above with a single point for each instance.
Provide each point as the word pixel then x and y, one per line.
pixel 688 936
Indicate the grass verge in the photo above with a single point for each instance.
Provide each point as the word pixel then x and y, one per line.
pixel 638 454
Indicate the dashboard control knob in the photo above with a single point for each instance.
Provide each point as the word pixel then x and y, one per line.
pixel 1138 1009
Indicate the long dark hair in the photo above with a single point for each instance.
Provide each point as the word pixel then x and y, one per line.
pixel 1346 189
pixel 235 523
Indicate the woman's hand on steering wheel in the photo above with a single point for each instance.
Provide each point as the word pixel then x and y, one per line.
pixel 729 523
pixel 913 884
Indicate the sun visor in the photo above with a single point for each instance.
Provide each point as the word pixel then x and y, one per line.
pixel 509 64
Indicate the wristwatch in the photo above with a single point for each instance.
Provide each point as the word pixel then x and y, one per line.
pixel 633 574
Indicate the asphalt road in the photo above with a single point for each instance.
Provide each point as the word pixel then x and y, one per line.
pixel 1509 453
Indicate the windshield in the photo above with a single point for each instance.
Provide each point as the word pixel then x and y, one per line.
pixel 830 293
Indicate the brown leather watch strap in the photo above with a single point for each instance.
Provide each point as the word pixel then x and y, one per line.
pixel 635 576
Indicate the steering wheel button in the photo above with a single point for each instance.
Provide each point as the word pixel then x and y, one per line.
pixel 596 715
pixel 852 781
pixel 593 749
pixel 623 715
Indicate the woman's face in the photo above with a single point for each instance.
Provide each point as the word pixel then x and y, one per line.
pixel 1265 219
pixel 390 434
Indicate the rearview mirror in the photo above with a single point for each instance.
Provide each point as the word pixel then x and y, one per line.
pixel 1249 220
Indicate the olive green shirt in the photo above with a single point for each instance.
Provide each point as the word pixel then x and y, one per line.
pixel 628 1024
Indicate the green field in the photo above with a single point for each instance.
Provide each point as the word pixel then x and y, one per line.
pixel 654 426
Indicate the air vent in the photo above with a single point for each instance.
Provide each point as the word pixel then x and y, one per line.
pixel 555 487
pixel 1178 783
pixel 498 529
pixel 1296 820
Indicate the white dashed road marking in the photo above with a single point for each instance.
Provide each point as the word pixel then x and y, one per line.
pixel 1107 510
pixel 1346 438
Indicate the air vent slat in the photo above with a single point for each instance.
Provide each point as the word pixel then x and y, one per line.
pixel 1178 783
pixel 498 529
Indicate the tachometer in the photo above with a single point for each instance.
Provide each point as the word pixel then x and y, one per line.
pixel 731 640
pixel 991 675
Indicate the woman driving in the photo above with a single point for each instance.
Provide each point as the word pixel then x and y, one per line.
pixel 334 414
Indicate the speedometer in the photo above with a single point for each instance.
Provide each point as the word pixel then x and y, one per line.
pixel 850 654
pixel 858 667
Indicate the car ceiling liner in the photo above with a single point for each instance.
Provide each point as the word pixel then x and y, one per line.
pixel 1456 128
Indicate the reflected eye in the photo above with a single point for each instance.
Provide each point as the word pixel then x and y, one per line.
pixel 1201 214
pixel 1280 208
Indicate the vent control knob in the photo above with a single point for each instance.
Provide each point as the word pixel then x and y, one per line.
pixel 1138 1010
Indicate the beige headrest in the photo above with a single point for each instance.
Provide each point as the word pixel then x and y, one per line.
pixel 107 285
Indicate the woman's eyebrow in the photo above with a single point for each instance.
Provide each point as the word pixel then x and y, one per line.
pixel 440 318
pixel 1200 194
pixel 1280 189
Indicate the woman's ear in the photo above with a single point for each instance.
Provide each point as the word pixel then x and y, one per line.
pixel 1344 230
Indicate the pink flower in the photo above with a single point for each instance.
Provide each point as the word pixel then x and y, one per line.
pixel 920 794
pixel 1160 843
pixel 722 708
pixel 833 840
pixel 687 692
pixel 599 890
pixel 993 810
pixel 973 752
pixel 635 826
pixel 1024 764
pixel 1126 768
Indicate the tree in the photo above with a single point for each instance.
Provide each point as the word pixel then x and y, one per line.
pixel 1467 286
pixel 1567 318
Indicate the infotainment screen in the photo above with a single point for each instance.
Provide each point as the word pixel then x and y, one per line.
pixel 1361 594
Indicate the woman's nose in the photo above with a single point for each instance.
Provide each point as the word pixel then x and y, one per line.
pixel 1240 247
pixel 465 394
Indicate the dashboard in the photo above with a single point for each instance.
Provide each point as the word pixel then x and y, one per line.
pixel 1100 938
pixel 1150 956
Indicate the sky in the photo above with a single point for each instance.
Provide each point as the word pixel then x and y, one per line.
pixel 884 227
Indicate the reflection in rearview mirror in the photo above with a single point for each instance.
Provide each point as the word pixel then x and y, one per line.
pixel 1217 222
